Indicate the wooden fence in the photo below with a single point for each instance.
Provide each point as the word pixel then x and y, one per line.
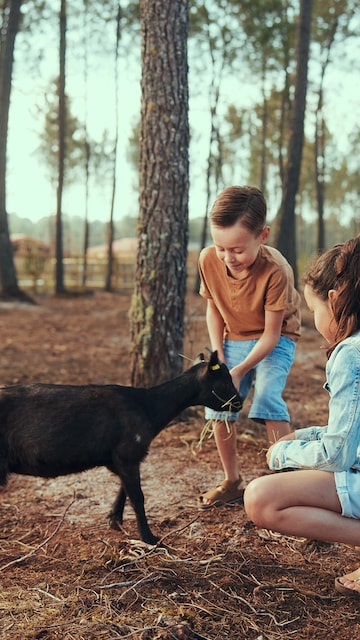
pixel 37 274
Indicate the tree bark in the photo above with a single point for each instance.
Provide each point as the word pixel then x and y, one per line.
pixel 320 142
pixel 157 311
pixel 110 264
pixel 8 280
pixel 59 268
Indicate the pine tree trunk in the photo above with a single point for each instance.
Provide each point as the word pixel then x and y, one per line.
pixel 157 312
pixel 59 269
pixel 286 228
pixel 8 280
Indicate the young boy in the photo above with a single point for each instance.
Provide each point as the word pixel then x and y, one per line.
pixel 253 320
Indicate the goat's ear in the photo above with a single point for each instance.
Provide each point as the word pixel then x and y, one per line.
pixel 214 362
pixel 200 358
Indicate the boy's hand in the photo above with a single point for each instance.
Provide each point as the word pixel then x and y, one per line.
pixel 236 378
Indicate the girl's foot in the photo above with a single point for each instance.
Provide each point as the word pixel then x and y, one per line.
pixel 349 584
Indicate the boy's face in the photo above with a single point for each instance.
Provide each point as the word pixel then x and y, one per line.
pixel 237 247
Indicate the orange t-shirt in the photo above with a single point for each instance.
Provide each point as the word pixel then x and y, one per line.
pixel 268 286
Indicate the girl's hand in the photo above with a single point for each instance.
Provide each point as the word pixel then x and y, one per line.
pixel 288 436
pixel 268 454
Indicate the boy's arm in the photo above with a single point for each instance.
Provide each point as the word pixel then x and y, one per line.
pixel 265 344
pixel 215 326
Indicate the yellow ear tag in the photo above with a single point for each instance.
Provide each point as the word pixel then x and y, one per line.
pixel 214 367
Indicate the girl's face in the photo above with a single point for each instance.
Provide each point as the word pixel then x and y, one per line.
pixel 237 247
pixel 323 316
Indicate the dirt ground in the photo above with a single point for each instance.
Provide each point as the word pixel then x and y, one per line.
pixel 65 574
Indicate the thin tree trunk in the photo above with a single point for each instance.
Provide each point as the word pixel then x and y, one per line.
pixel 263 159
pixel 8 279
pixel 59 274
pixel 286 228
pixel 319 161
pixel 214 164
pixel 86 220
pixel 108 284
pixel 87 148
pixel 320 144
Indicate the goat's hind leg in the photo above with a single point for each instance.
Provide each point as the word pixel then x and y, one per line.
pixel 4 467
pixel 116 514
pixel 131 488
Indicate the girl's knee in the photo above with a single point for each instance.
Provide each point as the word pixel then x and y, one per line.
pixel 256 500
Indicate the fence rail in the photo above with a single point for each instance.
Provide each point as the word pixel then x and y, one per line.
pixel 37 274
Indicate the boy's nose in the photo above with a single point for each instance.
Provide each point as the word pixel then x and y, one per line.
pixel 229 257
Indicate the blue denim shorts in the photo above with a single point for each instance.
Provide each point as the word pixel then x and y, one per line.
pixel 348 489
pixel 269 377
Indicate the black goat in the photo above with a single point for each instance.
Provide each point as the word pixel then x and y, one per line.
pixel 51 430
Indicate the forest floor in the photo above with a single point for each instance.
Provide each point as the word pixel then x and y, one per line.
pixel 66 575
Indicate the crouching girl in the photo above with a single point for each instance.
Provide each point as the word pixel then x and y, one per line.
pixel 322 500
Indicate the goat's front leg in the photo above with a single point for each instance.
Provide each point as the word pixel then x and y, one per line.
pixel 131 487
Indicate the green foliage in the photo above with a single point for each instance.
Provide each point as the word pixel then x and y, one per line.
pixel 79 147
pixel 231 40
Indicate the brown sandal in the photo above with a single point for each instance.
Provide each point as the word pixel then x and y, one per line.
pixel 228 492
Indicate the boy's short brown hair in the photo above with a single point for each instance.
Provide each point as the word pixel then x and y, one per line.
pixel 245 204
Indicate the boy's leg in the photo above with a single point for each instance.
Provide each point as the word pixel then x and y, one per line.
pixel 232 488
pixel 276 429
pixel 226 446
pixel 270 381
pixel 235 351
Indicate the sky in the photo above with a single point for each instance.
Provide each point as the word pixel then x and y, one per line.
pixel 36 197
pixel 29 191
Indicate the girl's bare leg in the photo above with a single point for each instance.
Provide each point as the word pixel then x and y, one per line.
pixel 300 503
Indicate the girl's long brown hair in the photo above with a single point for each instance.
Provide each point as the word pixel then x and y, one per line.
pixel 339 269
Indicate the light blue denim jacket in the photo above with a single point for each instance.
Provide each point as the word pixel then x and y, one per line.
pixel 335 447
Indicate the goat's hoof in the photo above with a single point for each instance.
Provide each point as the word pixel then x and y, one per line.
pixel 153 541
pixel 150 539
pixel 115 524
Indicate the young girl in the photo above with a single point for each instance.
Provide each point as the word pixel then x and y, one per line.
pixel 253 320
pixel 322 501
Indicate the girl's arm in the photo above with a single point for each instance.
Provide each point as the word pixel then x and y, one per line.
pixel 337 449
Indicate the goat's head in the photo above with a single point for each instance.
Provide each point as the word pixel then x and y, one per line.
pixel 217 389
